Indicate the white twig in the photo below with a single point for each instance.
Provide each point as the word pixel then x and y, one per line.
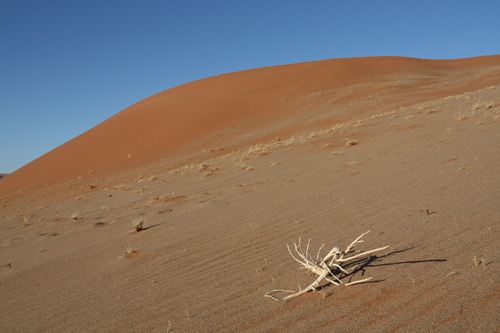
pixel 332 272
pixel 362 254
pixel 350 247
pixel 269 293
pixel 312 286
pixel 359 281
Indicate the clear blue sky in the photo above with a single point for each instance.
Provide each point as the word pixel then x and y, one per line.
pixel 66 66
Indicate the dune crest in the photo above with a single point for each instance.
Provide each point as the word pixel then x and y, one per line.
pixel 229 110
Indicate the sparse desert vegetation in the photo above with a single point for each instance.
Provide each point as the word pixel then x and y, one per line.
pixel 220 231
pixel 138 224
pixel 162 198
pixel 26 221
pixel 129 253
pixel 351 142
pixel 479 262
pixel 465 113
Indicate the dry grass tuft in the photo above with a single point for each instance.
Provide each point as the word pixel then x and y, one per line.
pixel 138 224
pixel 162 198
pixel 351 142
pixel 489 105
pixel 478 105
pixel 130 253
pixel 479 262
pixel 203 166
pixel 74 216
pixel 463 115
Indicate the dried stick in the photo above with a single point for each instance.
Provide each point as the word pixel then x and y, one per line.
pixel 362 254
pixel 312 286
pixel 330 268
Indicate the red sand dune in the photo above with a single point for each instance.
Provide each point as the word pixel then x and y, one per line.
pixel 183 118
pixel 406 148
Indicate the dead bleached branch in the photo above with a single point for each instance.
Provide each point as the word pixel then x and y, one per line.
pixel 335 266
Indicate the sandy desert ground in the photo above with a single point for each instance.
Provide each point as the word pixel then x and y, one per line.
pixel 226 171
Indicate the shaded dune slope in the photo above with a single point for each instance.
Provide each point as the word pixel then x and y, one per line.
pixel 251 104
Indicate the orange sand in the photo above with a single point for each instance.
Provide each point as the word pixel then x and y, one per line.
pixel 254 160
